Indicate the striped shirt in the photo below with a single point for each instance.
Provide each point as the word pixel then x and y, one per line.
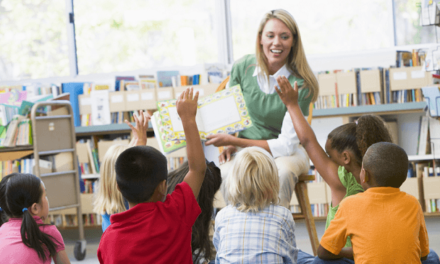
pixel 263 237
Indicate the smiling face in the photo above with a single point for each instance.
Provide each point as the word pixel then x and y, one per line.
pixel 276 41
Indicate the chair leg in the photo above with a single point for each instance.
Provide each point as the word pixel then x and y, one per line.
pixel 303 200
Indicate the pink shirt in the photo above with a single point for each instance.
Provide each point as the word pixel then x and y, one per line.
pixel 12 249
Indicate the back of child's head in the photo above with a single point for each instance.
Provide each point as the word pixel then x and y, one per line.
pixel 18 192
pixel 138 172
pixel 253 183
pixel 359 135
pixel 200 241
pixel 108 199
pixel 387 163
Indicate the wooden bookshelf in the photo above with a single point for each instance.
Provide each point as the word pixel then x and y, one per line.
pixel 381 109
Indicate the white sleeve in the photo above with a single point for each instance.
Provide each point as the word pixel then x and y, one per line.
pixel 287 142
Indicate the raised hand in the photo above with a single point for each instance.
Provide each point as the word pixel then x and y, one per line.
pixel 187 105
pixel 140 131
pixel 287 94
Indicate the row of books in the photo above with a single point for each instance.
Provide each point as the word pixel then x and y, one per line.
pixel 87 157
pixel 370 86
pixel 24 166
pixel 17 133
pixel 90 186
pixel 410 58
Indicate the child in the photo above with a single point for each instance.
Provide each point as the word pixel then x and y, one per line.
pixel 157 227
pixel 200 241
pixel 340 164
pixel 253 228
pixel 385 224
pixel 24 238
pixel 108 199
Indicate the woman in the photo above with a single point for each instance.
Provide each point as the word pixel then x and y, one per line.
pixel 279 51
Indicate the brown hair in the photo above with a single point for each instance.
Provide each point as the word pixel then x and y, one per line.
pixel 200 242
pixel 296 61
pixel 357 137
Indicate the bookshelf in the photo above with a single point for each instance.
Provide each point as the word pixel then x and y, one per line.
pixel 381 109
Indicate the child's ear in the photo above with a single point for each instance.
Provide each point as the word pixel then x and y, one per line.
pixel 366 175
pixel 346 157
pixel 35 209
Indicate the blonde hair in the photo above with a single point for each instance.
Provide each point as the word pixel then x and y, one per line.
pixel 253 183
pixel 109 199
pixel 296 61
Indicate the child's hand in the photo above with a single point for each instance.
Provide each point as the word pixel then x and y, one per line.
pixel 187 105
pixel 140 131
pixel 287 94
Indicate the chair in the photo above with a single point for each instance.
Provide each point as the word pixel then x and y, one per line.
pixel 300 190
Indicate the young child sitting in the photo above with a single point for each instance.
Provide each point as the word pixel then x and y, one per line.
pixel 341 161
pixel 200 242
pixel 24 237
pixel 157 227
pixel 253 228
pixel 385 224
pixel 108 199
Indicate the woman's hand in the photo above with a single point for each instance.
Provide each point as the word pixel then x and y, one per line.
pixel 140 131
pixel 287 94
pixel 219 140
pixel 226 154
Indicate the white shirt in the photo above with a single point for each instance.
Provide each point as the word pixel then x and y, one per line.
pixel 287 142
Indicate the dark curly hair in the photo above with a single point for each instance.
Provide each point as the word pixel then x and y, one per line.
pixel 357 137
pixel 200 242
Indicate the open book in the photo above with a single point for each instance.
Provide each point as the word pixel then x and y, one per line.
pixel 222 112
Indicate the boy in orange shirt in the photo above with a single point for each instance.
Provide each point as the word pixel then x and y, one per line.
pixel 385 224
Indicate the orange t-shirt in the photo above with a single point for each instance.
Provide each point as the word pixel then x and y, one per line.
pixel 385 226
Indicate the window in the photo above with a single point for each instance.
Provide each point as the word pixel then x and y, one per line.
pixel 325 26
pixel 33 42
pixel 114 35
pixel 408 28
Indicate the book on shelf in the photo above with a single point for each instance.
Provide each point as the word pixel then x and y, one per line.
pixel 221 112
pixel 12 131
pixel 147 82
pixel 423 140
pixel 167 78
pixel 122 78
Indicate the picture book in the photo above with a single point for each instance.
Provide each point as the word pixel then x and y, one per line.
pixel 221 112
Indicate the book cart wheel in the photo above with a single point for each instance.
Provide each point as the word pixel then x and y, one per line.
pixel 80 249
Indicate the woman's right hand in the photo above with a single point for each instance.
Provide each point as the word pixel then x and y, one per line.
pixel 226 154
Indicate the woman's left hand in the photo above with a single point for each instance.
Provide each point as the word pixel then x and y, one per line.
pixel 219 140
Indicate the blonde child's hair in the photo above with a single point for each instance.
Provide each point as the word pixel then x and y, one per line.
pixel 296 61
pixel 253 183
pixel 109 199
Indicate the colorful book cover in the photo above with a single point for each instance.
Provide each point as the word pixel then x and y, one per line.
pixel 14 97
pixel 166 146
pixel 221 112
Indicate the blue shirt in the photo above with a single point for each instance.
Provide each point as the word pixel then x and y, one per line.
pixel 263 237
pixel 106 218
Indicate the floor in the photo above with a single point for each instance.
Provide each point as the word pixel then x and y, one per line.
pixel 93 236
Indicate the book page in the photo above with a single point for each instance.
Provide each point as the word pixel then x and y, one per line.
pixel 218 114
pixel 176 122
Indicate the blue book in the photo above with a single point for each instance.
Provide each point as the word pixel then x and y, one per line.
pixel 74 89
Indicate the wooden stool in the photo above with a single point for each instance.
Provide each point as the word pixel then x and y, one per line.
pixel 306 210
